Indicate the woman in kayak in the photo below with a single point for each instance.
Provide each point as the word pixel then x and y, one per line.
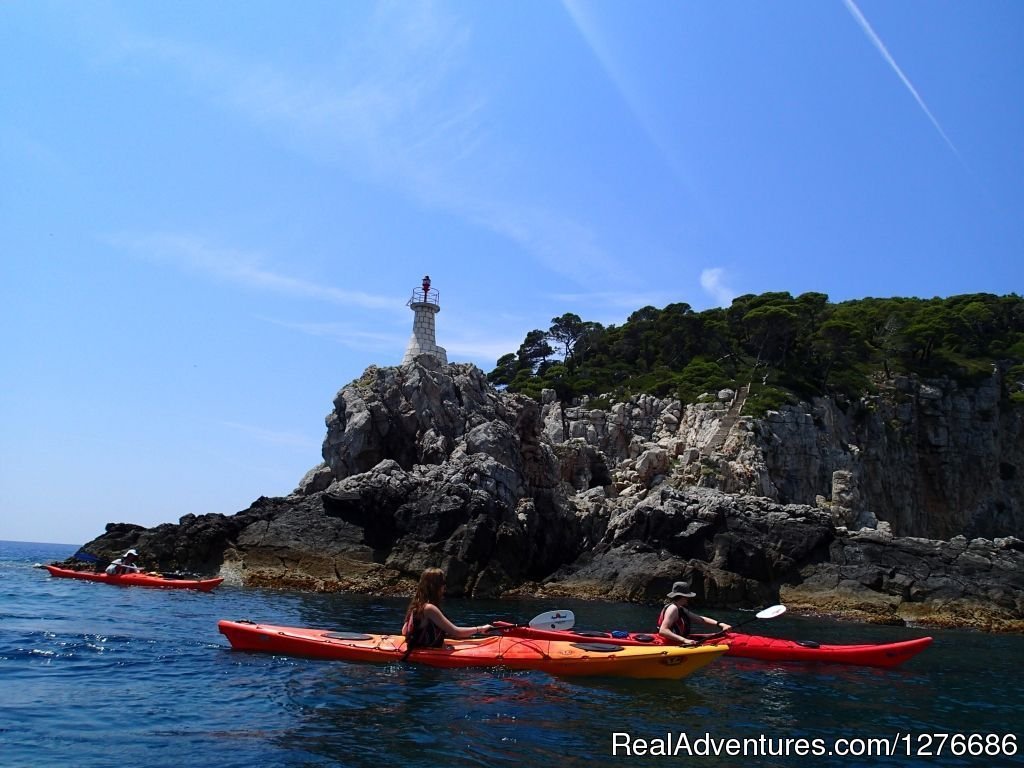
pixel 425 626
pixel 675 622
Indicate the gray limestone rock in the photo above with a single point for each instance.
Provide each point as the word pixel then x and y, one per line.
pixel 905 506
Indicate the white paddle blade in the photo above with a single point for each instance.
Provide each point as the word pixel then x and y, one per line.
pixel 772 612
pixel 554 620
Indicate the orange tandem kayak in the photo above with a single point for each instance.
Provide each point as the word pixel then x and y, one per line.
pixel 554 657
pixel 135 579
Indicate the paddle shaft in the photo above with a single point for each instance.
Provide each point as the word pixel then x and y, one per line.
pixel 767 613
pixel 128 568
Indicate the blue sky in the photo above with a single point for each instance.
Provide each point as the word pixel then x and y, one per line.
pixel 212 214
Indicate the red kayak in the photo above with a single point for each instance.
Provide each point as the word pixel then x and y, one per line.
pixel 135 579
pixel 752 646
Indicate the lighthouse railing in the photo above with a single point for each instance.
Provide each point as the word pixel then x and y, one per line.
pixel 419 296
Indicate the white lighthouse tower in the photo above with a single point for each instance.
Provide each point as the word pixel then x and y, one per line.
pixel 424 304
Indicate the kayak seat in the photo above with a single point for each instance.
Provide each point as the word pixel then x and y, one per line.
pixel 808 643
pixel 347 636
pixel 598 647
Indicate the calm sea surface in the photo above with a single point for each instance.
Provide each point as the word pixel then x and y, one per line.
pixel 94 675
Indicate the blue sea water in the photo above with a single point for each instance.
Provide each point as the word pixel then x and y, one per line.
pixel 95 675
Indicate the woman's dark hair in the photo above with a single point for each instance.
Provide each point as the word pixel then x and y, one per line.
pixel 429 590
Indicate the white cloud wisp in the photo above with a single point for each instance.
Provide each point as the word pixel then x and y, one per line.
pixel 712 281
pixel 239 267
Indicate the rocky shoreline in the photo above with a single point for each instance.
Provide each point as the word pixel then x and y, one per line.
pixel 426 464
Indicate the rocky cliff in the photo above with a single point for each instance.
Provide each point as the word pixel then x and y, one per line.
pixel 903 506
pixel 931 459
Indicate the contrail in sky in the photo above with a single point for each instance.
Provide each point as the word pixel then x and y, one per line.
pixel 855 12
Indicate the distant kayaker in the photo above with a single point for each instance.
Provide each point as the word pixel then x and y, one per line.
pixel 675 622
pixel 425 626
pixel 124 564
